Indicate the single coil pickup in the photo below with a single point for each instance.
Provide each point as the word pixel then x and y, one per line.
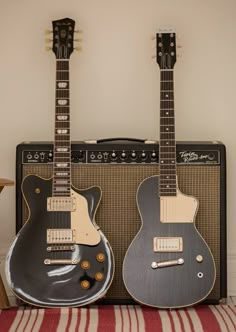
pixel 167 244
pixel 61 248
pixel 61 261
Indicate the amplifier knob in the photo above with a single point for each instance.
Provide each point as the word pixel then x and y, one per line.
pixel 153 155
pixel 143 155
pixel 133 155
pixel 113 155
pixel 123 155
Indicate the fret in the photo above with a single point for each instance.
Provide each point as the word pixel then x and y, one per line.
pixel 164 193
pixel 62 75
pixel 167 121
pixel 167 85
pixel 64 143
pixel 62 93
pixel 167 104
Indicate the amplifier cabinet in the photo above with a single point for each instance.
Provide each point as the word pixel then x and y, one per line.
pixel 118 167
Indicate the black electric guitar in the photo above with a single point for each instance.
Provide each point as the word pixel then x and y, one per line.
pixel 60 257
pixel 168 264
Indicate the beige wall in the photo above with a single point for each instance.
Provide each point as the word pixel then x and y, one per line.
pixel 115 83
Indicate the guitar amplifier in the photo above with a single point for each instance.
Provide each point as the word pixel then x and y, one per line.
pixel 118 166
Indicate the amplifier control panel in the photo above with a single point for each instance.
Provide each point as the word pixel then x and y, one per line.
pixel 141 155
pixel 84 156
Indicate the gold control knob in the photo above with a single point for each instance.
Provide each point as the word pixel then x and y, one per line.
pixel 85 265
pixel 85 284
pixel 99 276
pixel 100 257
pixel 199 258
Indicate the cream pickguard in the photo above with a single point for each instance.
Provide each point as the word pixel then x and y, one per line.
pixel 178 209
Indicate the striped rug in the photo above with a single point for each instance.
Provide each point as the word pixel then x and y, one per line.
pixel 120 318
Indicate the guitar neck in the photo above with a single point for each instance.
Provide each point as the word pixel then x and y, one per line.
pixel 167 135
pixel 62 143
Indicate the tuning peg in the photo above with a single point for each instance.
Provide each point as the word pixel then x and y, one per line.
pixel 48 48
pixel 47 32
pixel 48 40
pixel 78 31
pixel 78 48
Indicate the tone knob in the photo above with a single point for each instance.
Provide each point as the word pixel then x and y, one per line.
pixel 99 276
pixel 85 284
pixel 100 257
pixel 199 258
pixel 85 265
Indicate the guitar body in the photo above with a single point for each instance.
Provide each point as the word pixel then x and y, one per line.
pixel 44 285
pixel 173 286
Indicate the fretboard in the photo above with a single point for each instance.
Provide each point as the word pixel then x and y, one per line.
pixel 62 144
pixel 167 158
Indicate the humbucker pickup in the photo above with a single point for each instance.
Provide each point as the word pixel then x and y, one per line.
pixel 61 204
pixel 167 244
pixel 60 236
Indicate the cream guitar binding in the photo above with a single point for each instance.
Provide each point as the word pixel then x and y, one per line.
pixel 168 264
pixel 60 257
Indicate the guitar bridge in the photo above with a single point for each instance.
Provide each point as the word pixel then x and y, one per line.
pixel 61 261
pixel 60 248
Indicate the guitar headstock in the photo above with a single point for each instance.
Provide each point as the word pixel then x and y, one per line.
pixel 63 38
pixel 166 49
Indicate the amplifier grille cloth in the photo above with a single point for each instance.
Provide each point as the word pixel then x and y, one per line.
pixel 118 216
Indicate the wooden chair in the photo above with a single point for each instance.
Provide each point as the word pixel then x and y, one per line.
pixel 4 303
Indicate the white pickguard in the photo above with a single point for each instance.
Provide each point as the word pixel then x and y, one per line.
pixel 85 231
pixel 179 209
